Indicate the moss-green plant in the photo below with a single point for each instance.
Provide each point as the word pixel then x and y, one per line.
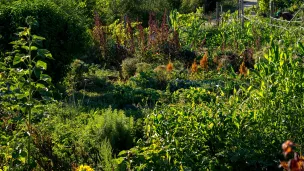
pixel 128 67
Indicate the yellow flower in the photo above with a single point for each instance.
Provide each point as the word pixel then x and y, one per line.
pixel 84 168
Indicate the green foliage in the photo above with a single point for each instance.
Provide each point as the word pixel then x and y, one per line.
pixel 189 27
pixel 193 95
pixel 22 80
pixel 212 131
pixel 281 4
pixel 145 80
pixel 74 78
pixel 128 67
pixel 217 118
pixel 87 137
pixel 65 37
pixel 143 67
pixel 106 156
pixel 264 6
pixel 113 10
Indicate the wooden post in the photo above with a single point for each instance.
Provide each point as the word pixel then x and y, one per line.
pixel 270 2
pixel 273 9
pixel 125 21
pixel 239 9
pixel 221 14
pixel 242 15
pixel 217 14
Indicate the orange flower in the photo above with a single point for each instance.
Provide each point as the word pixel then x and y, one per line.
pixel 243 69
pixel 204 61
pixel 283 164
pixel 287 147
pixel 295 164
pixel 194 67
pixel 169 67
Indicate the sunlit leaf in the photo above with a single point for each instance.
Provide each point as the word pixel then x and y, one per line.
pixel 17 60
pixel 45 78
pixel 35 37
pixel 25 47
pixel 44 53
pixel 33 48
pixel 41 64
pixel 40 86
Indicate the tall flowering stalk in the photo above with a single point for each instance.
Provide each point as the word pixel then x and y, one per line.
pixel 99 34
pixel 204 61
pixel 194 67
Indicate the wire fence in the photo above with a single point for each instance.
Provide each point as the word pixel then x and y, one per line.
pixel 285 25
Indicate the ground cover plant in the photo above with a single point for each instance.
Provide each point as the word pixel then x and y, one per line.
pixel 149 86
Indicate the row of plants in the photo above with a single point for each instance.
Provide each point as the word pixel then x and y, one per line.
pixel 211 130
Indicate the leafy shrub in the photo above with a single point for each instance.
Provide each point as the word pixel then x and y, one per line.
pixel 216 133
pixel 145 80
pixel 128 67
pixel 87 137
pixel 193 95
pixel 189 139
pixel 74 77
pixel 112 125
pixel 186 84
pixel 65 37
pixel 124 96
pixel 143 67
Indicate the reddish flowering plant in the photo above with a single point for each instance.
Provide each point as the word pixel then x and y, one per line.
pixel 243 69
pixel 204 61
pixel 294 164
pixel 194 67
pixel 169 67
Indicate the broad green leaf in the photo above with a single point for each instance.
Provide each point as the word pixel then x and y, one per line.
pixel 37 72
pixel 122 153
pixel 20 96
pixel 41 64
pixel 49 55
pixel 33 48
pixel 40 86
pixel 17 60
pixel 45 78
pixel 2 66
pixel 119 160
pixel 44 53
pixel 25 47
pixel 35 37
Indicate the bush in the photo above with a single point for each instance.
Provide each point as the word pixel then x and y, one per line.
pixel 66 37
pixel 143 67
pixel 213 131
pixel 128 67
pixel 86 137
pixel 145 80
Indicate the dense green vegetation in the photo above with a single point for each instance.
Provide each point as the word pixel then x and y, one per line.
pixel 147 85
